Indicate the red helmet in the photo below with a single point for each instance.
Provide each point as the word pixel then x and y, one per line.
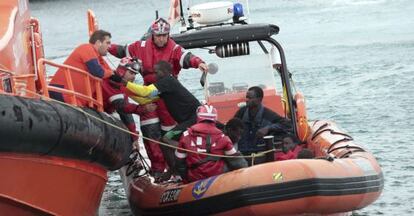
pixel 160 27
pixel 130 64
pixel 206 113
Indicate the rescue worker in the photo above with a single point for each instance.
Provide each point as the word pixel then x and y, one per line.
pixel 87 57
pixel 115 96
pixel 259 121
pixel 205 137
pixel 155 48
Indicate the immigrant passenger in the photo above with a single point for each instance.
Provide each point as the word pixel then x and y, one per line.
pixel 290 148
pixel 259 121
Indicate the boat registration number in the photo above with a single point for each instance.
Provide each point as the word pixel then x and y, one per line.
pixel 170 196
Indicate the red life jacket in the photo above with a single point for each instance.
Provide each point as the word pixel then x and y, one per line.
pixel 291 154
pixel 206 138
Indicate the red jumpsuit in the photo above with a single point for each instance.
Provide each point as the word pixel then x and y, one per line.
pixel 115 99
pixel 195 138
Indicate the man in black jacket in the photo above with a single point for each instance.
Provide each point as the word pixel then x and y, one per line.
pixel 259 121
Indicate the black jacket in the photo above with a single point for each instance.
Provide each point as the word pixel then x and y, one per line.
pixel 265 117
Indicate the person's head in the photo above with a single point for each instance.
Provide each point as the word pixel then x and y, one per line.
pixel 206 113
pixel 234 129
pixel 101 40
pixel 254 97
pixel 289 142
pixel 160 31
pixel 162 69
pixel 128 68
pixel 305 154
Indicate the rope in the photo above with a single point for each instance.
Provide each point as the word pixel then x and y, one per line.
pixel 253 155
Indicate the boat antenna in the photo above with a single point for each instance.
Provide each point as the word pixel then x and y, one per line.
pixel 182 14
pixel 248 11
pixel 156 14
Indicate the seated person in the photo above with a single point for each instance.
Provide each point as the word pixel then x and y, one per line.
pixel 306 154
pixel 234 129
pixel 290 148
pixel 259 121
pixel 115 98
pixel 205 137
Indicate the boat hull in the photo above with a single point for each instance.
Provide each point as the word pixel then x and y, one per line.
pixel 34 185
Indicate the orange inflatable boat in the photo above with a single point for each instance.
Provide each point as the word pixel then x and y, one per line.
pixel 343 176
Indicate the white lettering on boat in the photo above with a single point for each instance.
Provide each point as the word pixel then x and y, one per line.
pixel 170 196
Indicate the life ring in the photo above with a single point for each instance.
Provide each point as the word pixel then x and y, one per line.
pixel 302 126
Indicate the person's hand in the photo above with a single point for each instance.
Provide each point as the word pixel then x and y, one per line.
pixel 203 67
pixel 150 107
pixel 262 132
pixel 135 145
pixel 116 78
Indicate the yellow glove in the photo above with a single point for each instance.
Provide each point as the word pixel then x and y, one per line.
pixel 143 100
pixel 143 91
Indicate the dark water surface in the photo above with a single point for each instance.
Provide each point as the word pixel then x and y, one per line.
pixel 352 59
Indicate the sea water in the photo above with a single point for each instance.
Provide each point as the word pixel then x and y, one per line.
pixel 352 59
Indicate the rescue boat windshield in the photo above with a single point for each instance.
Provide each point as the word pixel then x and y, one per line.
pixel 238 73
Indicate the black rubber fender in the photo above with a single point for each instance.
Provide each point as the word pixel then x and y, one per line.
pixel 42 127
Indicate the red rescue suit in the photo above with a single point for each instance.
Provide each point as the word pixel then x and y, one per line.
pixel 204 137
pixel 150 54
pixel 115 99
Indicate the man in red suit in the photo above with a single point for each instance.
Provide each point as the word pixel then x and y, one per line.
pixel 115 98
pixel 154 49
pixel 205 137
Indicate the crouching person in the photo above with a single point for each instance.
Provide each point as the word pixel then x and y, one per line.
pixel 115 96
pixel 205 137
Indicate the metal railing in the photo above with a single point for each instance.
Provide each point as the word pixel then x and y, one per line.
pixel 92 84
